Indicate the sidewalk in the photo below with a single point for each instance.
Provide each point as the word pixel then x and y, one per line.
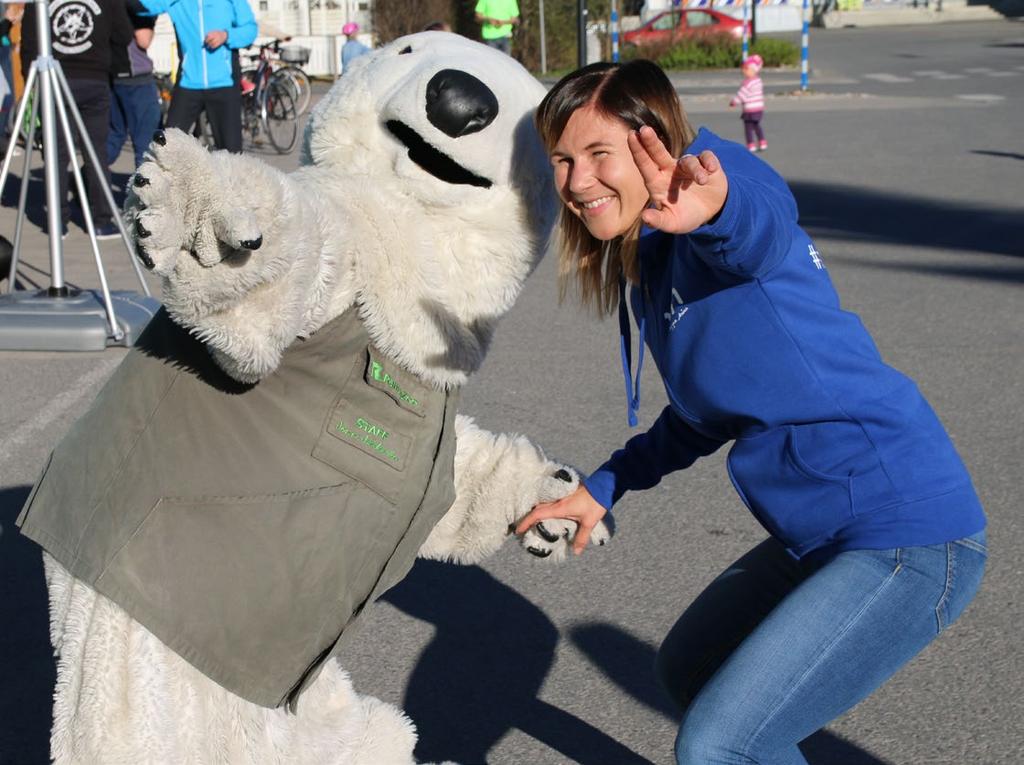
pixel 79 261
pixel 951 11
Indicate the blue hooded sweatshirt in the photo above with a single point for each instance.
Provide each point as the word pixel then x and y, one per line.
pixel 833 449
pixel 201 68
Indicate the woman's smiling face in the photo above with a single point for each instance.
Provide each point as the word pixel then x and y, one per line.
pixel 596 176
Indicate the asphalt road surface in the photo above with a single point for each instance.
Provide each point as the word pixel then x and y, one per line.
pixel 907 159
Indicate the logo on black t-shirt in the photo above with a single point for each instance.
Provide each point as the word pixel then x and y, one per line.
pixel 73 22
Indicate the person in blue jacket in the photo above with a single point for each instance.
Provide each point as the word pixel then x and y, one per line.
pixel 876 535
pixel 209 34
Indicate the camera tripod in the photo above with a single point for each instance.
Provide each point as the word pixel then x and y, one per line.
pixel 59 318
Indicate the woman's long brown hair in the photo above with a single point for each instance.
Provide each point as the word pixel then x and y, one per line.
pixel 637 93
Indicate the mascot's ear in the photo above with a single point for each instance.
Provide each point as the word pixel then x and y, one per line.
pixel 531 175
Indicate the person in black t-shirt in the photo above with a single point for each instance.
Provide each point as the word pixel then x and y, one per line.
pixel 82 41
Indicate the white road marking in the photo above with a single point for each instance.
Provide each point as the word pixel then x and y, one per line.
pixel 1002 73
pixel 58 406
pixel 984 98
pixel 938 74
pixel 884 77
pixel 978 69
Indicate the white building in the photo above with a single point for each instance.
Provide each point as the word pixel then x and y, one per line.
pixel 314 24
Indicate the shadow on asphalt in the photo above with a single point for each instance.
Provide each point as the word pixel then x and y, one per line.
pixel 480 675
pixel 477 679
pixel 1001 154
pixel 35 200
pixel 629 663
pixel 1011 274
pixel 849 212
pixel 27 668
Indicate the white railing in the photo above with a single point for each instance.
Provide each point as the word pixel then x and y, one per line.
pixel 324 56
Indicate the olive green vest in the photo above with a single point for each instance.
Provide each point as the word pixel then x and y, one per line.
pixel 247 526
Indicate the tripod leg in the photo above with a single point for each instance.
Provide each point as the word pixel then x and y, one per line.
pixel 51 172
pixel 101 173
pixel 23 192
pixel 26 96
pixel 115 329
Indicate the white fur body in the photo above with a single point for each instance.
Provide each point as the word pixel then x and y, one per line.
pixel 252 258
pixel 124 698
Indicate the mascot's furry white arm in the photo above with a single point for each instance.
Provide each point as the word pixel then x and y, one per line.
pixel 423 203
pixel 495 473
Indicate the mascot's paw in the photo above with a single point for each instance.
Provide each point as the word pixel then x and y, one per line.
pixel 553 537
pixel 180 202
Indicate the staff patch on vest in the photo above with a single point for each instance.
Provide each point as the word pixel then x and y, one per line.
pixel 372 438
pixel 402 387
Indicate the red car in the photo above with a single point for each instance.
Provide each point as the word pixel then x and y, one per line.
pixel 684 22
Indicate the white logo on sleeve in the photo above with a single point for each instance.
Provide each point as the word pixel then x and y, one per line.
pixel 814 257
pixel 676 313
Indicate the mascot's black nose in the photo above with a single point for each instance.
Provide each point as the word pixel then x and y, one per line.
pixel 459 104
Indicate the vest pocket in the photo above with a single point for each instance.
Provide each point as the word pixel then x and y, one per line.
pixel 366 436
pixel 251 590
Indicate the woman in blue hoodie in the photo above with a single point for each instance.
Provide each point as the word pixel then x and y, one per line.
pixel 876 534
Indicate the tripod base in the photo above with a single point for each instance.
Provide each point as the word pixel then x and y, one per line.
pixel 35 321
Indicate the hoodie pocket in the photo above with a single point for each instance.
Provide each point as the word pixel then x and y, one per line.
pixel 802 502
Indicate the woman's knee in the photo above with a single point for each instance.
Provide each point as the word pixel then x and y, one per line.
pixel 674 673
pixel 683 665
pixel 704 740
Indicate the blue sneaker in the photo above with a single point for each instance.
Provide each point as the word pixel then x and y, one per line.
pixel 107 231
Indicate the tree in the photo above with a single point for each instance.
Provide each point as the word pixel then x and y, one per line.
pixel 560 24
pixel 394 18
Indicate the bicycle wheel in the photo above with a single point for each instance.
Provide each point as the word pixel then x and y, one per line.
pixel 277 113
pixel 164 88
pixel 26 126
pixel 203 131
pixel 299 86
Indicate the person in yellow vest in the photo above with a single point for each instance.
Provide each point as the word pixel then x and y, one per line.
pixel 497 19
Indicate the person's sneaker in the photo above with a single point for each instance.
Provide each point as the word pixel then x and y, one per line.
pixel 763 145
pixel 107 231
pixel 752 146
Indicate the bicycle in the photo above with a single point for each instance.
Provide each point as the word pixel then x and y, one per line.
pixel 294 56
pixel 268 106
pixel 165 89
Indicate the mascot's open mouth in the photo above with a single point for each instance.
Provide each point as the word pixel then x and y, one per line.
pixel 438 164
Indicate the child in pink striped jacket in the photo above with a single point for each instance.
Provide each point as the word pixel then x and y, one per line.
pixel 751 96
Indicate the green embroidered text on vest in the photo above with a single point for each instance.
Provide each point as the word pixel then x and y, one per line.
pixel 369 437
pixel 381 376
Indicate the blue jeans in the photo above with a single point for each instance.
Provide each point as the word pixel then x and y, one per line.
pixel 504 44
pixel 135 112
pixel 775 648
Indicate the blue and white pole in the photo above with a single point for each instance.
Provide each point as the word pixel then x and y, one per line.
pixel 804 39
pixel 615 32
pixel 746 30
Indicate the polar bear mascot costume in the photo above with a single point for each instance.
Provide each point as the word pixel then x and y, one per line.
pixel 282 441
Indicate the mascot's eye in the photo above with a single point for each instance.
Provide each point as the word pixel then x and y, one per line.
pixel 406 49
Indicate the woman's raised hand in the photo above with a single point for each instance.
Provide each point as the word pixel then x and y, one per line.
pixel 686 193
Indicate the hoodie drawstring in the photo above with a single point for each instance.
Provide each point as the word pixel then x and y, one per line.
pixel 626 350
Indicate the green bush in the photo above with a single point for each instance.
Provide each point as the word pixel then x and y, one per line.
pixel 777 52
pixel 713 52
